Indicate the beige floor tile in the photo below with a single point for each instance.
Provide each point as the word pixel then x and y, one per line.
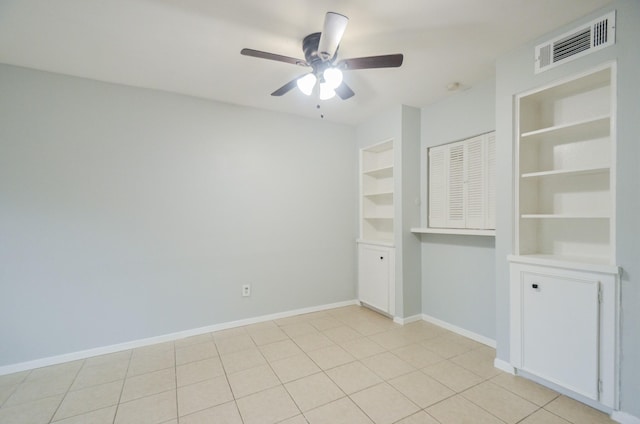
pixel 421 389
pixel 299 329
pixel 253 380
pixel 143 364
pixel 5 392
pixel 31 390
pixel 188 341
pixel 280 350
pixel 417 355
pixel 526 389
pixel 226 413
pixel 322 324
pixel 195 352
pixel 447 347
pixel 452 375
pixel 36 412
pixel 298 419
pixel 154 409
pixel 269 336
pixel 242 360
pixel 101 416
pixel 392 339
pixel 419 418
pixel 342 334
pixel 294 367
pixel 387 365
pixel 148 384
pixel 89 399
pixel 313 391
pixel 13 379
pixel 260 327
pixel 227 345
pixel 362 348
pixel 123 355
pixel 194 372
pixel 203 395
pixel 229 333
pixel 158 349
pixel 66 371
pixel 342 411
pixel 543 417
pixel 353 377
pixel 267 407
pixel 576 412
pixel 313 341
pixel 384 404
pixel 101 373
pixel 500 402
pixel 458 410
pixel 295 319
pixel 478 361
pixel 330 357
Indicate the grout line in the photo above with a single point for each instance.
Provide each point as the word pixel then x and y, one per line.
pixel 115 413
pixel 68 390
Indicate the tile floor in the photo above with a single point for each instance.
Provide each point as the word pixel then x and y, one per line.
pixel 347 365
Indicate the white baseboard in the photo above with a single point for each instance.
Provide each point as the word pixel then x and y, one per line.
pixel 504 366
pixel 83 354
pixel 624 418
pixel 470 334
pixel 407 320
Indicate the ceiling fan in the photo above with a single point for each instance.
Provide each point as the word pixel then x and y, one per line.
pixel 320 52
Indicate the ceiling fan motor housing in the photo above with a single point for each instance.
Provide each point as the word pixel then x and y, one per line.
pixel 310 49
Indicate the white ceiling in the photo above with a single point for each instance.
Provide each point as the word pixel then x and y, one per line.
pixel 193 46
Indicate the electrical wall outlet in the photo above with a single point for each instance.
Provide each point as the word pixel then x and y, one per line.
pixel 246 290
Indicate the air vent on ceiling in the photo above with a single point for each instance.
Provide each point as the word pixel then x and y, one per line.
pixel 578 42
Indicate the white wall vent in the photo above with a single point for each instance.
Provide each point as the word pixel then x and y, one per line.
pixel 578 42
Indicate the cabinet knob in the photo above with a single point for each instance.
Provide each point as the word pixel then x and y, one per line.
pixel 534 285
pixel 381 258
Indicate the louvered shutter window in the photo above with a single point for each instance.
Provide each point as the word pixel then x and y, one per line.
pixel 462 184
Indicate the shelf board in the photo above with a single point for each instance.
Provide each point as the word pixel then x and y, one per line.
pixel 561 216
pixel 379 194
pixel 382 172
pixel 377 217
pixel 453 231
pixel 597 264
pixel 592 127
pixel 582 171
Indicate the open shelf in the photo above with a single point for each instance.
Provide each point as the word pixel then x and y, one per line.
pixel 590 127
pixel 382 172
pixel 377 192
pixel 583 171
pixel 560 216
pixel 454 231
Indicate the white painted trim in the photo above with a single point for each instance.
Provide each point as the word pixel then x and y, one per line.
pixel 83 354
pixel 407 320
pixel 504 366
pixel 453 231
pixel 624 418
pixel 470 334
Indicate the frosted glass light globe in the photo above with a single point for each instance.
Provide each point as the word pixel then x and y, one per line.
pixel 306 83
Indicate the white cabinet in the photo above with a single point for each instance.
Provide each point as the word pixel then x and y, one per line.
pixel 462 184
pixel 566 169
pixel 376 276
pixel 376 193
pixel 564 326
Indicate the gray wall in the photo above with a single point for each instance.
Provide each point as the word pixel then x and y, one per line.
pixel 514 74
pixel 458 272
pixel 129 213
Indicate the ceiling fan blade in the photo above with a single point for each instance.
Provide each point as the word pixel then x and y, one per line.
pixel 332 32
pixel 344 91
pixel 371 62
pixel 287 87
pixel 273 56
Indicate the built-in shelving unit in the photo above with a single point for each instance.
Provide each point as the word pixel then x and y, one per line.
pixel 565 237
pixel 377 186
pixel 565 159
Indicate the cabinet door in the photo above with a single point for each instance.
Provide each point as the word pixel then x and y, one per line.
pixel 374 276
pixel 560 331
pixel 437 187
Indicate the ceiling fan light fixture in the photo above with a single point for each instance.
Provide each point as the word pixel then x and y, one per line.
pixel 306 83
pixel 333 77
pixel 326 91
